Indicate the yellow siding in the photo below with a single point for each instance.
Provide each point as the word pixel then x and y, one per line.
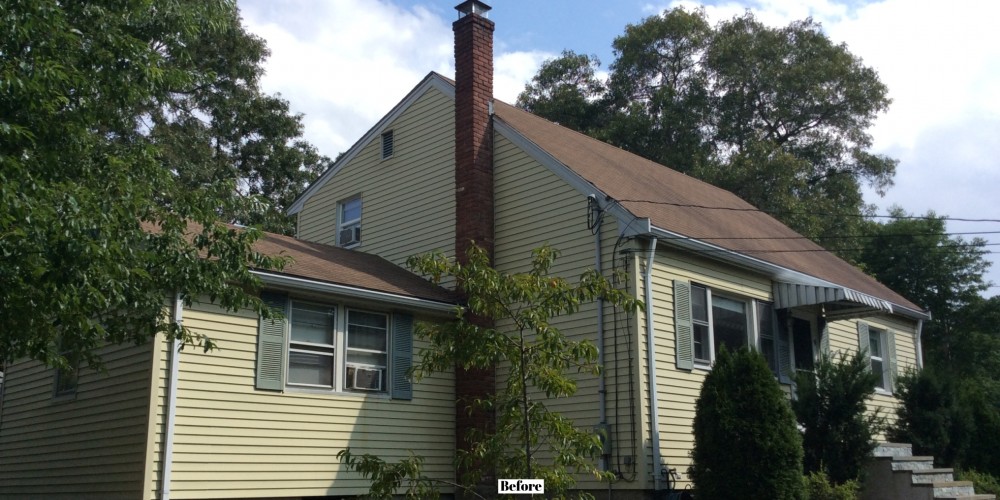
pixel 535 207
pixel 677 390
pixel 232 440
pixel 844 338
pixel 91 445
pixel 408 200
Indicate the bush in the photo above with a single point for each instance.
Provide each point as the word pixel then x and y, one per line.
pixel 819 487
pixel 838 435
pixel 985 483
pixel 746 442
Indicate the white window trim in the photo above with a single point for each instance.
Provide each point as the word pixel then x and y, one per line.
pixel 750 308
pixel 345 224
pixel 886 376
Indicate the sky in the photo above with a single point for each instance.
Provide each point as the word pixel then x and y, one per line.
pixel 344 64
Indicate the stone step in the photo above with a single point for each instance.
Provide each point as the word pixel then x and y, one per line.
pixel 928 476
pixel 947 489
pixel 893 450
pixel 912 463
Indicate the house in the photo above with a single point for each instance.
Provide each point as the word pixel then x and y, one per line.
pixel 449 165
pixel 265 416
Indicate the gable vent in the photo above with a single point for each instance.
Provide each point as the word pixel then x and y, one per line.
pixel 387 145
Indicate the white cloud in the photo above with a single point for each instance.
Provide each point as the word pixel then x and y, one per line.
pixel 512 70
pixel 345 63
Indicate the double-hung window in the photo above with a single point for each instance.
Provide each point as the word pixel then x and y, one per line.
pixel 705 321
pixel 367 350
pixel 334 348
pixel 349 222
pixel 718 321
pixel 312 349
pixel 879 345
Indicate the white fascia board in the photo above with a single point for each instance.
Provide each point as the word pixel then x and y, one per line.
pixel 432 80
pixel 297 283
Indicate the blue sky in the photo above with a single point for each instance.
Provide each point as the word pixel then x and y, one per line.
pixel 345 63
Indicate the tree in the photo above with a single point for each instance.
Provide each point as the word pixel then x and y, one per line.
pixel 527 440
pixel 779 116
pixel 916 257
pixel 99 221
pixel 745 439
pixel 831 407
pixel 566 91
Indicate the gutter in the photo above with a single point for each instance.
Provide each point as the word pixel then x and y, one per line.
pixel 168 438
pixel 283 280
pixel 651 363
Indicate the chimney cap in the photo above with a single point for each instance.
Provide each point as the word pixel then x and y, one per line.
pixel 472 7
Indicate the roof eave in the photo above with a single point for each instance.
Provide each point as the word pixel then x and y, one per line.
pixel 779 273
pixel 306 284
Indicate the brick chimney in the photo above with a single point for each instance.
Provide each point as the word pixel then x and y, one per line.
pixel 473 128
pixel 473 188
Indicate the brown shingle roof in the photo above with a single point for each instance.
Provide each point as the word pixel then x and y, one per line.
pixel 330 264
pixel 677 203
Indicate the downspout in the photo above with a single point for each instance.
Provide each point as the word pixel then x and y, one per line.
pixel 920 344
pixel 168 434
pixel 602 392
pixel 651 363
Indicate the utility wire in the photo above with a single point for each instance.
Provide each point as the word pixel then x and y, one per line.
pixel 777 212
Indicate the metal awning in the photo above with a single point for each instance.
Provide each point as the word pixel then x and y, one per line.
pixel 839 301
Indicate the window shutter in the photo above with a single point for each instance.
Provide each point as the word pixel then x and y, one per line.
pixel 683 327
pixel 891 365
pixel 402 356
pixel 784 350
pixel 863 342
pixel 271 344
pixel 824 339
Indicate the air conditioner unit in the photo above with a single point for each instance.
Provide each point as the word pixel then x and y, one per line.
pixel 364 379
pixel 350 235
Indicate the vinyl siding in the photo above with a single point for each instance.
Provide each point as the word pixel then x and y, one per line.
pixel 534 207
pixel 677 390
pixel 88 445
pixel 233 441
pixel 408 200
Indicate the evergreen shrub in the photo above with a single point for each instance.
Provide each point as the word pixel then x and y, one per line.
pixel 746 441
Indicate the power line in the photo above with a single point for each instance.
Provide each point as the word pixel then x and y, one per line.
pixel 776 212
pixel 834 237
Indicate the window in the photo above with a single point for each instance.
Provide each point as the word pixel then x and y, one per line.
pixel 367 350
pixel 325 347
pixel 718 321
pixel 67 379
pixel 880 346
pixel 349 222
pixel 387 145
pixel 312 348
pixel 705 320
pixel 803 347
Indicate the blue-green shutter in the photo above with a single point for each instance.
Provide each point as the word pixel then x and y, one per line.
pixel 402 356
pixel 683 327
pixel 824 339
pixel 271 344
pixel 863 340
pixel 784 348
pixel 890 340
